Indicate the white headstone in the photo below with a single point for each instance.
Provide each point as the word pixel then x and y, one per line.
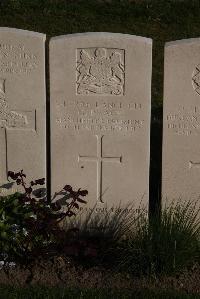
pixel 22 105
pixel 181 132
pixel 100 116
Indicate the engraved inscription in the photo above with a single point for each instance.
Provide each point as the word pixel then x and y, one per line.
pixel 196 79
pixel 100 124
pixel 100 71
pixel 99 116
pixel 16 59
pixel 119 209
pixel 184 121
pixel 11 120
pixel 99 159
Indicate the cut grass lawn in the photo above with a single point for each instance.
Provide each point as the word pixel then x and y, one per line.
pixel 51 293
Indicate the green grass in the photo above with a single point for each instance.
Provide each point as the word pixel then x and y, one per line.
pixel 166 244
pixel 104 231
pixel 51 293
pixel 127 241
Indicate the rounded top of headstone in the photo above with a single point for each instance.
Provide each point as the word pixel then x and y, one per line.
pixel 106 35
pixel 23 32
pixel 180 42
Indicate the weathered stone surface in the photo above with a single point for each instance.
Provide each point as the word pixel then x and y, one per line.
pixel 100 116
pixel 22 105
pixel 181 133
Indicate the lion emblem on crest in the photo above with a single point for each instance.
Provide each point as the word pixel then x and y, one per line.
pixel 100 72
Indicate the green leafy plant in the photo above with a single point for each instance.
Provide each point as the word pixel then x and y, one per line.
pixel 29 224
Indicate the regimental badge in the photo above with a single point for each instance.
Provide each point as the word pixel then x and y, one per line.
pixel 196 79
pixel 100 71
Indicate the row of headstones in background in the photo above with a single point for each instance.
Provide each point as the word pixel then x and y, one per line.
pixel 100 85
pixel 22 105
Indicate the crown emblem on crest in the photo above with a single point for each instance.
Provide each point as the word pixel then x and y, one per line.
pixel 100 71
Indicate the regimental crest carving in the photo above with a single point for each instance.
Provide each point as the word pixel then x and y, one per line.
pixel 100 71
pixel 8 118
pixel 196 79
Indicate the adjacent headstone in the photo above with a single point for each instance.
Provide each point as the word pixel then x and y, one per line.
pixel 100 116
pixel 22 105
pixel 181 134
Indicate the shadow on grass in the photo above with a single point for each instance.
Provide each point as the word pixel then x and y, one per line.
pixel 129 241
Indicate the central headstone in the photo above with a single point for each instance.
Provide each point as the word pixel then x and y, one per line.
pixel 100 116
pixel 22 105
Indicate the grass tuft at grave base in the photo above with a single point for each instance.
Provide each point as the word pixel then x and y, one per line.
pixel 120 250
pixel 124 240
pixel 130 242
pixel 120 238
pixel 63 293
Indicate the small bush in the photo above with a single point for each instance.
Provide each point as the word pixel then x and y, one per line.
pixel 29 223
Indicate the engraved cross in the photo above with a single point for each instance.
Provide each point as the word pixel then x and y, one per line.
pixel 194 164
pixel 11 120
pixel 99 159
